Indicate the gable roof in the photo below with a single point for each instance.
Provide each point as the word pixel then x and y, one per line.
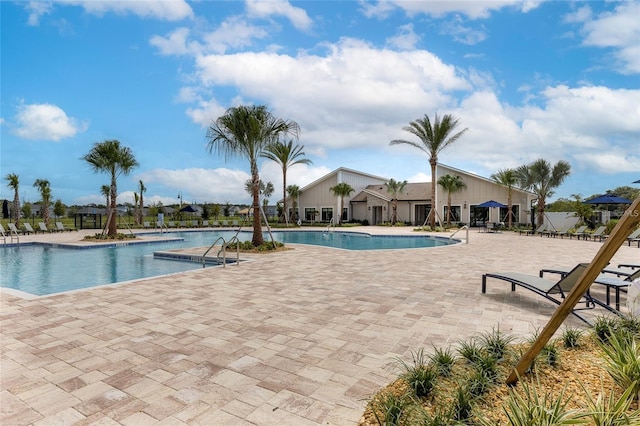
pixel 342 169
pixel 412 192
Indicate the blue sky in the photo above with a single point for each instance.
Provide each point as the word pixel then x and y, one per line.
pixel 538 79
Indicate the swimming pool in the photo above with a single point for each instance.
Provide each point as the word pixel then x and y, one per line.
pixel 43 269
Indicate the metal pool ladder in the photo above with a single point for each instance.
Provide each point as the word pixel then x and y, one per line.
pixel 223 250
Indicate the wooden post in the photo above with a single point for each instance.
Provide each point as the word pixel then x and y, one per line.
pixel 618 236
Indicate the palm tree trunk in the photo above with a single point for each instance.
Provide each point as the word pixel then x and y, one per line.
pixel 432 222
pixel 16 209
pixel 285 213
pixel 257 239
pixel 113 229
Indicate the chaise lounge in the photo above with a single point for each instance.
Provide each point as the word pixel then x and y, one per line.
pixel 546 288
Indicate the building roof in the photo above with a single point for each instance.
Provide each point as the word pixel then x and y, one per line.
pixel 411 192
pixel 336 171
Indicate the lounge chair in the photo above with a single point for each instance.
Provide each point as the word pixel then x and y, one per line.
pixel 146 225
pixel 171 224
pixel 539 230
pixel 225 223
pixel 634 237
pixel 13 229
pixel 28 228
pixel 43 227
pixel 629 265
pixel 205 223
pixel 234 223
pixel 545 287
pixel 61 228
pixel 598 234
pixel 215 224
pixel 580 232
pixel 561 232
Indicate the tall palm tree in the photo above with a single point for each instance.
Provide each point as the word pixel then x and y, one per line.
pixel 14 183
pixel 245 131
pixel 509 179
pixel 111 157
pixel 44 188
pixel 341 190
pixel 294 192
pixel 433 139
pixel 140 204
pixel 541 178
pixel 395 187
pixel 451 184
pixel 286 155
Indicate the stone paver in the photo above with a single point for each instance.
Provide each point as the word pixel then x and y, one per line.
pixel 299 337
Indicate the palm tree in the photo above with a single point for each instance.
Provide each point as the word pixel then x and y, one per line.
pixel 286 155
pixel 341 190
pixel 433 139
pixel 14 183
pixel 451 184
pixel 140 204
pixel 44 188
pixel 110 157
pixel 508 178
pixel 541 178
pixel 395 187
pixel 105 191
pixel 245 131
pixel 294 192
pixel 265 191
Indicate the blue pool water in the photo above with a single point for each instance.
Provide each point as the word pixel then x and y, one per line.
pixel 43 269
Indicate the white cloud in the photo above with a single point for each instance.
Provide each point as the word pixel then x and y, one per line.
pixel 471 9
pixel 173 10
pixel 405 39
pixel 234 33
pixel 46 122
pixel 463 33
pixel 618 30
pixel 175 43
pixel 264 9
pixel 36 10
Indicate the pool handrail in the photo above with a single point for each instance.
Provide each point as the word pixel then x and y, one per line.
pixel 466 227
pixel 209 249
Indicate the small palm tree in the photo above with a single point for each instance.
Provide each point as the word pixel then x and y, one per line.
pixel 509 179
pixel 341 190
pixel 395 187
pixel 451 184
pixel 541 178
pixel 44 188
pixel 433 139
pixel 286 155
pixel 14 183
pixel 110 157
pixel 246 131
pixel 294 192
pixel 105 191
pixel 265 192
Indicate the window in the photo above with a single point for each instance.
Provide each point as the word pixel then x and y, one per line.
pixel 455 214
pixel 310 214
pixel 345 213
pixel 515 209
pixel 327 214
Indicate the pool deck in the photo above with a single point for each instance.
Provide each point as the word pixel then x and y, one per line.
pixel 299 337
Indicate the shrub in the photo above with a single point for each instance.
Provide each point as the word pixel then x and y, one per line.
pixel 419 375
pixel 571 337
pixel 443 360
pixel 390 409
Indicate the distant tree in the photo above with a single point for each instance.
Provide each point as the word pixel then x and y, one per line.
pixel 294 192
pixel 140 203
pixel 26 210
pixel 341 190
pixel 44 188
pixel 215 210
pixel 205 211
pixel 105 190
pixel 266 190
pixel 286 155
pixel 542 179
pixel 227 209
pixel 246 131
pixel 433 139
pixel 451 184
pixel 509 179
pixel 14 183
pixel 395 187
pixel 112 158
pixel 625 192
pixel 58 208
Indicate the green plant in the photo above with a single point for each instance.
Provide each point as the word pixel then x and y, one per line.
pixel 528 408
pixel 470 350
pixel 443 360
pixel 622 360
pixel 390 409
pixel 604 327
pixel 419 375
pixel 612 412
pixel 551 354
pixel 495 342
pixel 487 365
pixel 571 337
pixel 462 406
pixel 478 383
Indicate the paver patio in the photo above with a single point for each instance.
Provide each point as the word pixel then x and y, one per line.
pixel 301 337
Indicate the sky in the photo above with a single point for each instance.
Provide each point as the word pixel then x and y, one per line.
pixel 558 80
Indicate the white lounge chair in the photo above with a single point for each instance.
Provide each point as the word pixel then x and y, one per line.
pixel 43 227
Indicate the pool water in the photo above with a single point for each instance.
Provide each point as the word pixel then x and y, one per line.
pixel 43 269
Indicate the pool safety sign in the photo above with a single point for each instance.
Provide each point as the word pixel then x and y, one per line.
pixel 160 219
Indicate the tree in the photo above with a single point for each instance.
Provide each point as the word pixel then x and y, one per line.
pixel 245 131
pixel 541 178
pixel 433 139
pixel 14 183
pixel 112 158
pixel 58 208
pixel 395 187
pixel 341 190
pixel 286 155
pixel 509 179
pixel 26 209
pixel 44 188
pixel 294 192
pixel 451 184
pixel 140 205
pixel 105 191
pixel 265 191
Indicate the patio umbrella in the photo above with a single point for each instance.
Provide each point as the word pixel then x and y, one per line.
pixel 491 203
pixel 636 181
pixel 608 199
pixel 188 209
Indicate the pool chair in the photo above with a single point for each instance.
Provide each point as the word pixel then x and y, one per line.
pixel 634 237
pixel 205 223
pixel 580 232
pixel 28 229
pixel 560 232
pixel 539 230
pixel 13 229
pixel 598 234
pixel 146 225
pixel 61 228
pixel 555 291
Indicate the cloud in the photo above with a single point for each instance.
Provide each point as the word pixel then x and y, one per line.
pixel 36 10
pixel 471 9
pixel 46 122
pixel 405 39
pixel 264 9
pixel 618 30
pixel 462 33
